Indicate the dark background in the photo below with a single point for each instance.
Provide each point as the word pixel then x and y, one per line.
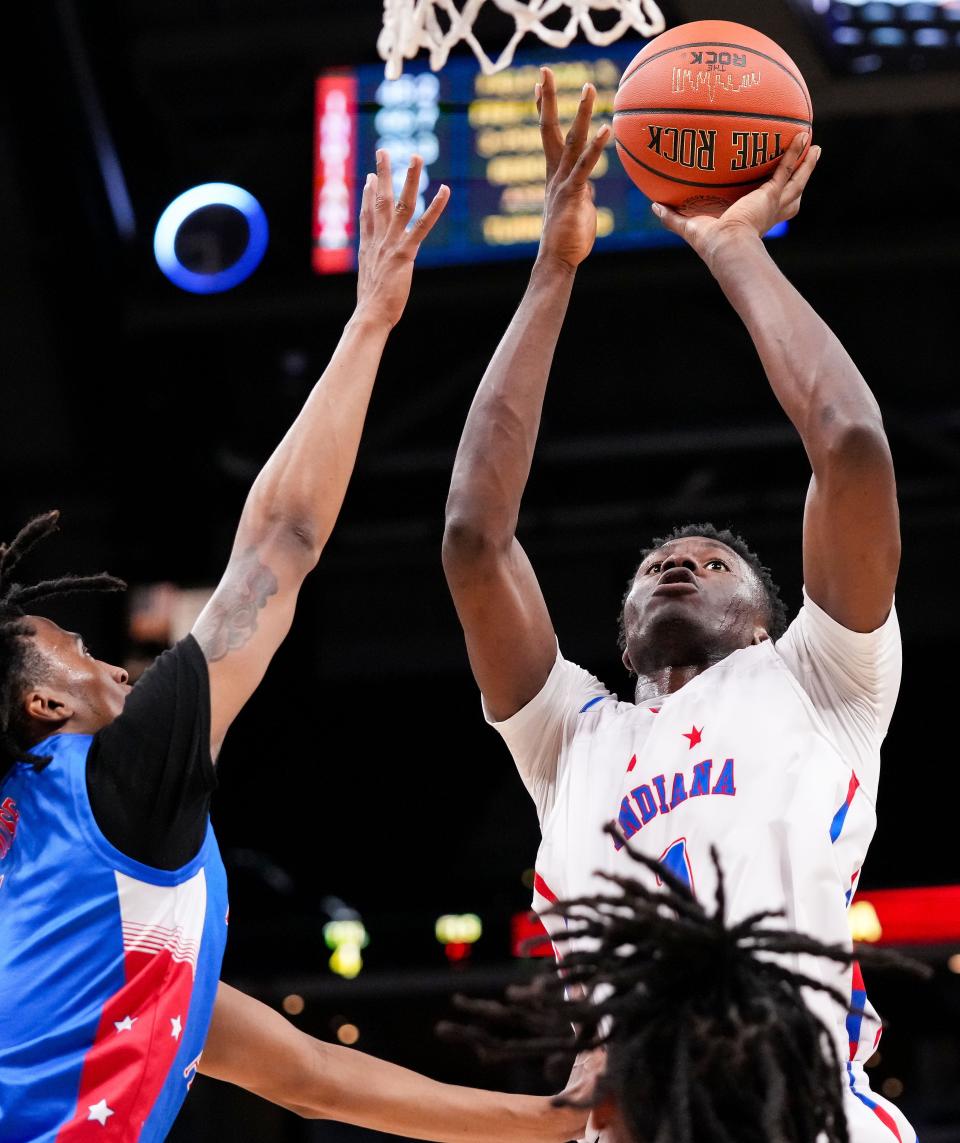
pixel 362 768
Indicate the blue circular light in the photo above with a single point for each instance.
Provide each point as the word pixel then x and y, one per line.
pixel 210 194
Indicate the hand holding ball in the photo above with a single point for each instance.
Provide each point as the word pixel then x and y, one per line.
pixel 705 112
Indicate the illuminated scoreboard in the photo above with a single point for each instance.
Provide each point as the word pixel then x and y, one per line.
pixel 477 133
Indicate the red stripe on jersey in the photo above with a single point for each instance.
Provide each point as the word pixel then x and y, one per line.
pixel 126 1067
pixel 887 1120
pixel 541 887
pixel 852 788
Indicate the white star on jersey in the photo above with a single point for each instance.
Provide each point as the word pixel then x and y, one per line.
pixel 100 1112
pixel 176 1027
pixel 126 1024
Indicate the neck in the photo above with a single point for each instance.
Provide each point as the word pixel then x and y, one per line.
pixel 664 681
pixel 39 731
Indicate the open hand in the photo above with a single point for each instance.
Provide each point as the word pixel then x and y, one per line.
pixel 387 247
pixel 569 216
pixel 776 200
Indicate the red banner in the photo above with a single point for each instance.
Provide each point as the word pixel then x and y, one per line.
pixel 528 927
pixel 335 202
pixel 907 916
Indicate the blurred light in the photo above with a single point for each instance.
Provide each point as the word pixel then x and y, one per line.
pixel 527 877
pixel 922 916
pixel 878 13
pixel 848 37
pixel 888 37
pixel 931 38
pixel 337 933
pixel 346 938
pixel 867 63
pixel 892 1088
pixel 458 932
pixel 864 922
pixel 348 1034
pixel 953 963
pixel 875 1060
pixel 293 1004
pixel 188 203
pixel 458 928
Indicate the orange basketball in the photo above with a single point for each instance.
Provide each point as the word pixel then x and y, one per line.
pixel 704 112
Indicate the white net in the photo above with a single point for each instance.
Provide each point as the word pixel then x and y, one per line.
pixel 435 26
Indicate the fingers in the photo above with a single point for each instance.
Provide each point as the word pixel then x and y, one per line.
pixel 671 219
pixel 425 223
pixel 550 134
pixel 406 203
pixel 798 180
pixel 366 210
pixel 590 156
pixel 383 207
pixel 790 195
pixel 579 129
pixel 790 161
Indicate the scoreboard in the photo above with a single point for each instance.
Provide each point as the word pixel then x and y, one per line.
pixel 477 133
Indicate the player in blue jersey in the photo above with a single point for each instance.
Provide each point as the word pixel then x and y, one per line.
pixel 113 902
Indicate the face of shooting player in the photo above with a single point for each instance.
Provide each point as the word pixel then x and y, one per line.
pixel 693 601
pixel 71 690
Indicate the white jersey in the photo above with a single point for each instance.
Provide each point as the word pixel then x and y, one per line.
pixel 772 755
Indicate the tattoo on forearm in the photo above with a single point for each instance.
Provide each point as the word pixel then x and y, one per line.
pixel 233 618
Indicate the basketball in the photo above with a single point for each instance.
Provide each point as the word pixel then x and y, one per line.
pixel 705 111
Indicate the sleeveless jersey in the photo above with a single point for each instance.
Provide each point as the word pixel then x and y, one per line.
pixel 771 755
pixel 108 968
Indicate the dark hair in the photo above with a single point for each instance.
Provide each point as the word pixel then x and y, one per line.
pixel 776 617
pixel 707 1037
pixel 21 664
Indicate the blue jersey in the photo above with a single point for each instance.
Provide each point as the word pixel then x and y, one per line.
pixel 108 967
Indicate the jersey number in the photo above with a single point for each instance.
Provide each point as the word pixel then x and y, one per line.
pixel 676 859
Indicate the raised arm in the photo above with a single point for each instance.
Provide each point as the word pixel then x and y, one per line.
pixel 509 635
pixel 294 502
pixel 851 529
pixel 254 1047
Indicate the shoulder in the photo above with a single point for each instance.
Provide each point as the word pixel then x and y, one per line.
pixel 863 661
pixel 569 690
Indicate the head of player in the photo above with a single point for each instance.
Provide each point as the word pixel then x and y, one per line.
pixel 698 595
pixel 707 1035
pixel 49 680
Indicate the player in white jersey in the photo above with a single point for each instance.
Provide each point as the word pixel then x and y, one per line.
pixel 707 1034
pixel 761 741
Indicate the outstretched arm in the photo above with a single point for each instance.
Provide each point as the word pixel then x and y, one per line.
pixel 851 531
pixel 509 635
pixel 254 1047
pixel 294 502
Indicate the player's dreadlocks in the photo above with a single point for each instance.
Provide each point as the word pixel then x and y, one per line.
pixel 21 664
pixel 708 1039
pixel 776 618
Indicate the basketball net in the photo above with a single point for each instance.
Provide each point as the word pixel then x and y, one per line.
pixel 410 26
